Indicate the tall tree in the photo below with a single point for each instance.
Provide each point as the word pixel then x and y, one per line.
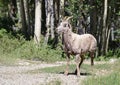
pixel 105 27
pixel 57 7
pixel 50 19
pixel 37 30
pixel 62 8
pixel 27 16
pixel 19 14
pixel 93 17
pixel 23 19
pixel 48 14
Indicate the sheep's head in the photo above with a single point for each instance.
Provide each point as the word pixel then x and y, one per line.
pixel 64 26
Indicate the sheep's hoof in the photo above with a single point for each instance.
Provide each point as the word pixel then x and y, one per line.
pixel 66 73
pixel 77 73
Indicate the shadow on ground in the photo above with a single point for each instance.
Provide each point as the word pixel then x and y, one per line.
pixel 73 73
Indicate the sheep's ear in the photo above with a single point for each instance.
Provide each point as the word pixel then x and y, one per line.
pixel 69 26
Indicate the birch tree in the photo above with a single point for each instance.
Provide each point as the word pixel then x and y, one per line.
pixel 62 6
pixel 105 27
pixel 19 14
pixel 37 30
pixel 50 19
pixel 47 8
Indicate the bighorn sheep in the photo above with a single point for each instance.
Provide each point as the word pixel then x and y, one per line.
pixel 77 45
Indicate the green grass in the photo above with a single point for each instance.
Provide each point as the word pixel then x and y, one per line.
pixel 55 69
pixel 85 68
pixel 112 79
pixel 100 74
pixel 5 60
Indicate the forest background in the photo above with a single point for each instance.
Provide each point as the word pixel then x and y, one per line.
pixel 27 27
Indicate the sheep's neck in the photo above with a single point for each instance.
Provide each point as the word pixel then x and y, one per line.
pixel 67 40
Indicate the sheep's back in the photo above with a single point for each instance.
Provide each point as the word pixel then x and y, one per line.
pixel 83 43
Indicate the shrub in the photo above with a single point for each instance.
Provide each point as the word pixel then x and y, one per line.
pixel 12 47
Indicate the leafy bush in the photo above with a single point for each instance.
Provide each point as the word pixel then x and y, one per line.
pixel 113 53
pixel 32 52
pixel 12 47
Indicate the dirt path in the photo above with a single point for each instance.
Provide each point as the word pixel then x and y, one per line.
pixel 17 75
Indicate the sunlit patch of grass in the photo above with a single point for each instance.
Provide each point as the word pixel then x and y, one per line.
pixel 112 79
pixel 85 69
pixel 55 69
pixel 5 60
pixel 100 74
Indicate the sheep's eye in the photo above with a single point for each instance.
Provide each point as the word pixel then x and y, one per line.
pixel 65 25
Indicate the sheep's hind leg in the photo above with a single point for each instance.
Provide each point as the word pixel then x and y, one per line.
pixel 67 66
pixel 92 58
pixel 82 59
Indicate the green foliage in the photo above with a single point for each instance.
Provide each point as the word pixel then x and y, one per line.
pixel 113 53
pixel 32 52
pixel 75 8
pixel 6 23
pixel 12 47
pixel 2 32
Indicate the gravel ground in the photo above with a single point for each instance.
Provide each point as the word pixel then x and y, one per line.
pixel 18 74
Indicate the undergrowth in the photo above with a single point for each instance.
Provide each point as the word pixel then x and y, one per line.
pixel 12 48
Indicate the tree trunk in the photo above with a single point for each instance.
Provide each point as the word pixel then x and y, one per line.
pixel 12 11
pixel 62 5
pixel 19 15
pixel 52 19
pixel 26 6
pixel 23 19
pixel 57 7
pixel 48 29
pixel 37 30
pixel 48 14
pixel 93 18
pixel 105 27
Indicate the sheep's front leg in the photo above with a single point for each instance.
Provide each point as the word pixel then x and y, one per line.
pixel 67 67
pixel 82 59
pixel 77 59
